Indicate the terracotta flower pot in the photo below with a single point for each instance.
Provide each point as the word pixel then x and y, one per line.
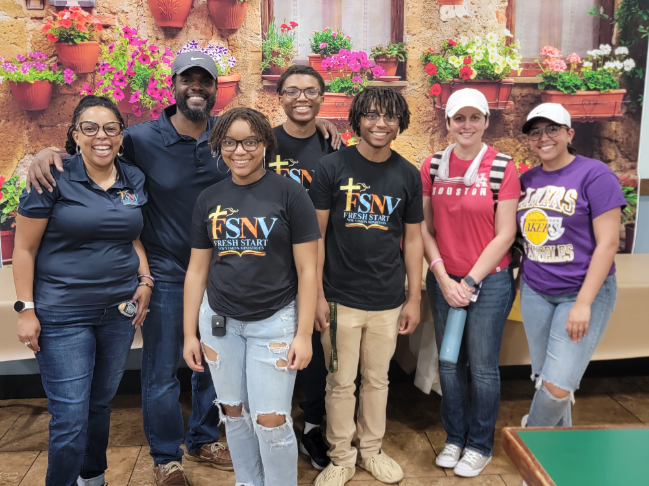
pixel 7 241
pixel 124 107
pixel 276 70
pixel 34 96
pixel 315 61
pixel 389 64
pixel 336 105
pixel 81 57
pixel 496 92
pixel 227 87
pixel 587 104
pixel 170 13
pixel 227 14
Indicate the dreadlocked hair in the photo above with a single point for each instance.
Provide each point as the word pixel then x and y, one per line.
pixel 259 125
pixel 89 101
pixel 383 100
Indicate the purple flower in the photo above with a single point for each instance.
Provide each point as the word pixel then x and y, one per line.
pixel 111 46
pixel 107 88
pixel 25 68
pixel 119 79
pixel 39 65
pixel 103 68
pixel 68 76
pixel 231 61
pixel 357 79
pixel 9 67
pixel 20 57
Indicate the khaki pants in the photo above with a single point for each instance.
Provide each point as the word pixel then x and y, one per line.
pixel 370 336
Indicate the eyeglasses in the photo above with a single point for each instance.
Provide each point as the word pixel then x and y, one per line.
pixel 249 144
pixel 90 129
pixel 373 118
pixel 294 93
pixel 552 131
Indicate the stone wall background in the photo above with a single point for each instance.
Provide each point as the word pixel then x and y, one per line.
pixel 426 25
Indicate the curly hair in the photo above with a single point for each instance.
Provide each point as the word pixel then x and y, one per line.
pixel 385 100
pixel 86 102
pixel 300 70
pixel 259 125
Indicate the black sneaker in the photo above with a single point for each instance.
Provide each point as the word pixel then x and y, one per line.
pixel 313 445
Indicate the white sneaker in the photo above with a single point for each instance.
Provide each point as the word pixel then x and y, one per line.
pixel 471 464
pixel 335 475
pixel 524 424
pixel 449 457
pixel 383 468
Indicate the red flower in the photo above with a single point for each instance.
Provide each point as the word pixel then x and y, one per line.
pixel 467 60
pixel 293 24
pixel 431 69
pixel 52 38
pixel 47 26
pixel 466 72
pixel 81 27
pixel 451 42
pixel 435 90
pixel 284 27
pixel 63 23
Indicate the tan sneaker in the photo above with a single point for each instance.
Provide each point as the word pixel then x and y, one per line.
pixel 215 454
pixel 334 475
pixel 382 467
pixel 170 474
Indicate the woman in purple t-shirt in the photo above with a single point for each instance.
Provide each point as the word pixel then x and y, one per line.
pixel 569 217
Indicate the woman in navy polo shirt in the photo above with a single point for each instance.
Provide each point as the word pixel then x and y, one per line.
pixel 76 265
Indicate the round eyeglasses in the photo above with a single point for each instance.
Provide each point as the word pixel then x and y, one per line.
pixel 551 130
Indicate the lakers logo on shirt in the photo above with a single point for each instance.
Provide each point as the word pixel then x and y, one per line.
pixel 286 168
pixel 538 228
pixel 128 199
pixel 366 210
pixel 240 235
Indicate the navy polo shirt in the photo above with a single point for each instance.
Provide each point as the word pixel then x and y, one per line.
pixel 177 169
pixel 86 259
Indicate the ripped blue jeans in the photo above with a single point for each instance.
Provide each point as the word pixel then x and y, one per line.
pixel 251 370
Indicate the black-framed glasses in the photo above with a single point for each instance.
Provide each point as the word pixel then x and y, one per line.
pixel 90 129
pixel 248 144
pixel 373 118
pixel 551 130
pixel 294 93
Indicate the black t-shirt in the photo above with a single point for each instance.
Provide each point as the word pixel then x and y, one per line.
pixel 252 229
pixel 297 158
pixel 369 202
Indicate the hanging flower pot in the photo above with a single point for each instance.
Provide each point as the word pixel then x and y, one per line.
pixel 336 105
pixel 81 57
pixel 227 14
pixel 170 13
pixel 587 104
pixel 123 105
pixel 389 64
pixel 227 87
pixel 7 241
pixel 496 92
pixel 34 96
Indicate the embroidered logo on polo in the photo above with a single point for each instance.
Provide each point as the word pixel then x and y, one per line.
pixel 366 210
pixel 128 199
pixel 287 168
pixel 240 235
pixel 539 228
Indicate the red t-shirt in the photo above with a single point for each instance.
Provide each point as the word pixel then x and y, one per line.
pixel 464 217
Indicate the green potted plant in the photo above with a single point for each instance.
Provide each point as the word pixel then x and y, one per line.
pixel 10 191
pixel 170 13
pixel 227 14
pixel 590 91
pixel 480 63
pixel 353 69
pixel 278 47
pixel 389 57
pixel 326 43
pixel 30 79
pixel 72 33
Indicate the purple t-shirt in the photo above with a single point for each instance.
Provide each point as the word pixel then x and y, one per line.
pixel 555 216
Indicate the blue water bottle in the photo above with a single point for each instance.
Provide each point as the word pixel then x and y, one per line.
pixel 453 335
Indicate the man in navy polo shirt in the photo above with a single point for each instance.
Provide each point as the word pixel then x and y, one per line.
pixel 174 155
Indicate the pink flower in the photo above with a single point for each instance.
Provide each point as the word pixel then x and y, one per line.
pixel 135 97
pixel 111 46
pixel 323 45
pixel 119 79
pixel 365 63
pixel 550 51
pixel 86 90
pixel 55 67
pixel 144 58
pixel 156 112
pixel 556 65
pixel 334 34
pixel 103 68
pixel 118 94
pixel 357 79
pixel 378 71
pixel 152 48
pixel 354 66
pixel 107 88
pixel 573 58
pixel 137 111
pixel 25 68
pixel 20 57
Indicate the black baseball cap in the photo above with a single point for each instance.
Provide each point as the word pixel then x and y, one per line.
pixel 192 59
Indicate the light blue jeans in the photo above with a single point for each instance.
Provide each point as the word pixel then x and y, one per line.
pixel 250 370
pixel 555 357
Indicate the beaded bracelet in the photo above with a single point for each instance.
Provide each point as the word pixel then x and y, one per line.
pixel 147 276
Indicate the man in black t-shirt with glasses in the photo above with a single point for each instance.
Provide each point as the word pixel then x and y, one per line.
pixel 369 205
pixel 301 146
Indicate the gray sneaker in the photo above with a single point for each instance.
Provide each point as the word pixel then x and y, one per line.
pixel 471 464
pixel 449 457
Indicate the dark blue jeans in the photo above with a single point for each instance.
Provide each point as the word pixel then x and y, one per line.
pixel 82 360
pixel 472 425
pixel 313 380
pixel 162 354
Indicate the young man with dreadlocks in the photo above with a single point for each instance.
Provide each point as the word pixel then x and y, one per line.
pixel 369 205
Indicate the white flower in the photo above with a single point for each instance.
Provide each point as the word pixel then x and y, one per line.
pixel 474 74
pixel 478 56
pixel 455 61
pixel 478 41
pixel 621 51
pixel 471 50
pixel 508 33
pixel 629 64
pixel 493 57
pixel 498 69
pixel 590 53
pixel 502 62
pixel 587 64
pixel 515 64
pixel 492 38
pixel 605 49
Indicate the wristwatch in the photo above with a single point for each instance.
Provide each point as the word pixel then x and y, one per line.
pixel 470 282
pixel 21 305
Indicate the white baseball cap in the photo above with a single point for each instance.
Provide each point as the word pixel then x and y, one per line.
pixel 466 97
pixel 550 111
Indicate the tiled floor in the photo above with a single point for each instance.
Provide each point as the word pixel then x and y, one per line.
pixel 414 435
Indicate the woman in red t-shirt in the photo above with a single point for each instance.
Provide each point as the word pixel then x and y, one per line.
pixel 467 237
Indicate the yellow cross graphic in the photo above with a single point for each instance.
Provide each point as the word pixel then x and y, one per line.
pixel 350 190
pixel 214 217
pixel 278 164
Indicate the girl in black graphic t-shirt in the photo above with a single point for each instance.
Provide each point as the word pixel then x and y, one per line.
pixel 254 248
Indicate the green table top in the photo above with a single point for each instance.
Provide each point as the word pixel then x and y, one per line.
pixel 600 457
